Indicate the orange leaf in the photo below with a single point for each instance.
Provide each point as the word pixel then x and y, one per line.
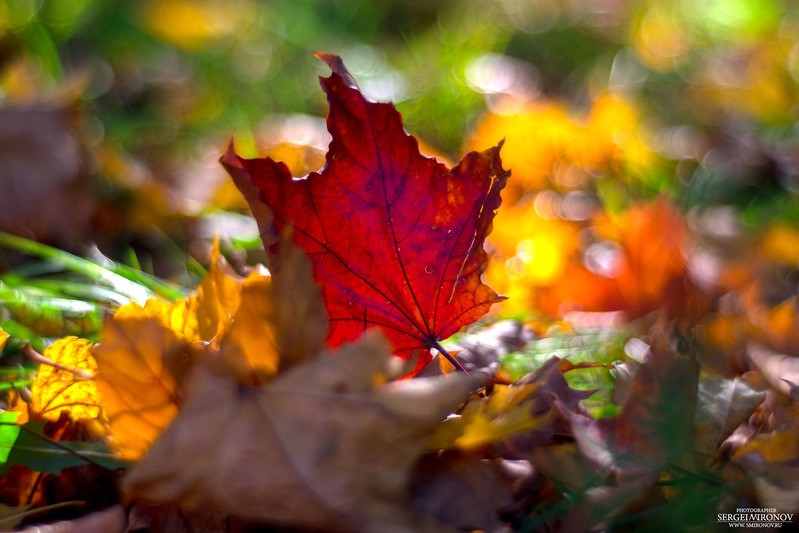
pixel 218 298
pixel 179 316
pixel 202 317
pixel 250 341
pixel 139 393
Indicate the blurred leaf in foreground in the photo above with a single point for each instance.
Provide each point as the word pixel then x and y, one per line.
pixel 139 394
pixel 325 444
pixel 616 459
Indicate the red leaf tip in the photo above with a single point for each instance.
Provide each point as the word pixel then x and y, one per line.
pixel 336 64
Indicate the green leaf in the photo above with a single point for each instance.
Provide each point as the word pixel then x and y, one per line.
pixel 128 282
pixel 41 453
pixel 9 431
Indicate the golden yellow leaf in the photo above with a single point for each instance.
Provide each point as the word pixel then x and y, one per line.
pixel 536 136
pixel 179 316
pixel 68 386
pixel 280 322
pixel 3 338
pixel 485 420
pixel 202 317
pixel 140 394
pixel 218 298
pixel 250 343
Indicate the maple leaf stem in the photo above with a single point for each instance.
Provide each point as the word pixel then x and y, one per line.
pixel 449 357
pixel 36 357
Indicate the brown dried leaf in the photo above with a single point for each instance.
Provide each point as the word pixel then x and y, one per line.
pixel 778 370
pixel 322 446
pixel 299 318
pixel 146 516
pixel 461 490
pixel 652 424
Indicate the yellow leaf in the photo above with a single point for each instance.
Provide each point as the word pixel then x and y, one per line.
pixel 218 298
pixel 179 316
pixel 139 392
pixel 507 411
pixel 202 317
pixel 250 342
pixel 3 338
pixel 444 365
pixel 280 322
pixel 68 386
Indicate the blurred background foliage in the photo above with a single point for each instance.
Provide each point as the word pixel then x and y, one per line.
pixel 653 144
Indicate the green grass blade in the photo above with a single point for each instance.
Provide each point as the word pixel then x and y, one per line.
pixel 134 285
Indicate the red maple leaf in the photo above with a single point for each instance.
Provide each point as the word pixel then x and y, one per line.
pixel 396 238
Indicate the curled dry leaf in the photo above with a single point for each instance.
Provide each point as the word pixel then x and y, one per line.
pixel 300 320
pixel 651 427
pixel 768 454
pixel 396 239
pixel 66 385
pixel 322 446
pixel 614 461
pixel 722 405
